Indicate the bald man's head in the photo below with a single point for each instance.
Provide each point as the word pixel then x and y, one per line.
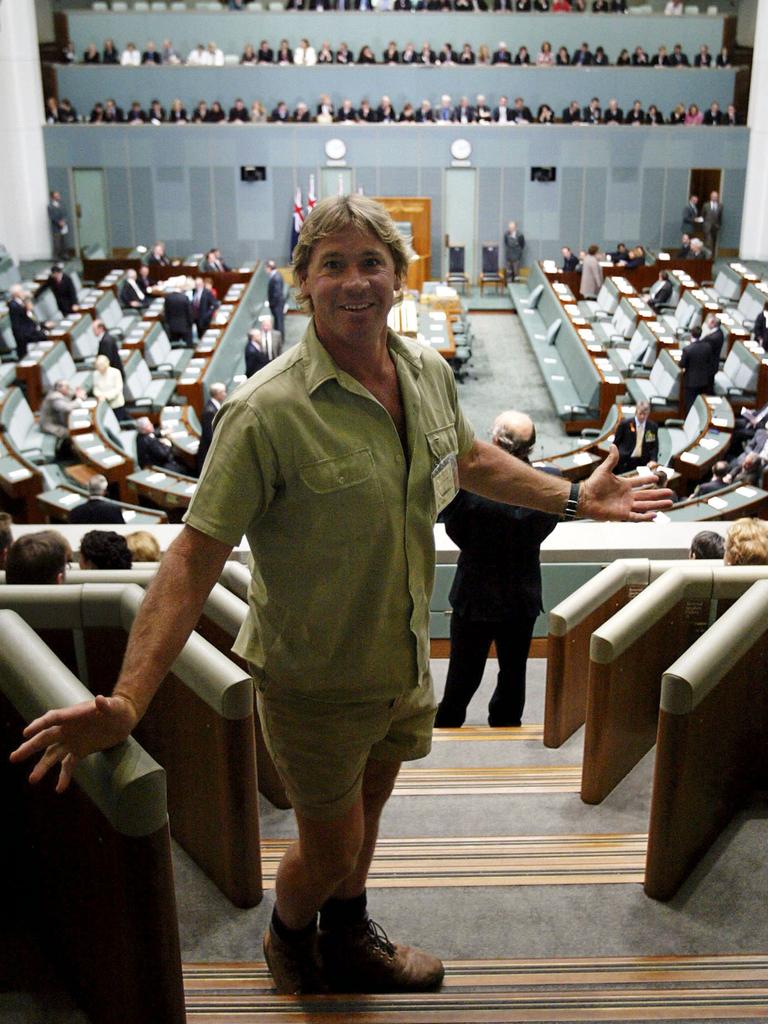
pixel 514 432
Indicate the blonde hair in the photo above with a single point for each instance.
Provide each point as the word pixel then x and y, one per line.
pixel 746 543
pixel 337 213
pixel 143 546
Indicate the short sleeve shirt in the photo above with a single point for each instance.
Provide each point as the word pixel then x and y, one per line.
pixel 309 466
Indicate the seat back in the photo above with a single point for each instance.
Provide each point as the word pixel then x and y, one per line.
pixel 665 377
pixel 608 297
pixel 7 340
pixel 490 259
pixel 110 312
pixel 552 330
pixel 84 343
pixel 456 259
pixel 742 367
pixel 57 364
pixel 45 306
pixel 727 286
pixel 17 419
pixel 137 382
pixel 533 298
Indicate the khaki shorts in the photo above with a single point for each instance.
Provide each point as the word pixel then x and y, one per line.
pixel 320 749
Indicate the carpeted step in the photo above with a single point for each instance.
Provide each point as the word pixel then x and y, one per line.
pixel 471 781
pixel 486 734
pixel 445 861
pixel 665 988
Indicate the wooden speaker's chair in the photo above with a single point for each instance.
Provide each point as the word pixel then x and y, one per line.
pixel 491 274
pixel 457 276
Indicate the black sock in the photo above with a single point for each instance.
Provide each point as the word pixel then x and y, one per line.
pixel 291 934
pixel 338 914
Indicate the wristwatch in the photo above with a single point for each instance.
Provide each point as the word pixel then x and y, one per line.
pixel 572 505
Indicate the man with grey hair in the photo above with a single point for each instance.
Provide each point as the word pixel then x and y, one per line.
pixel 153 449
pixel 25 326
pixel 496 592
pixel 54 413
pixel 98 508
pixel 334 462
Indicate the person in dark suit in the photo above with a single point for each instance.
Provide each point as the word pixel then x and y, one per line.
pixel 57 218
pixel 276 296
pixel 216 395
pixel 570 260
pixel 25 327
pixel 204 305
pixel 691 215
pixel 712 333
pixel 719 470
pixel 663 293
pixel 134 291
pixel 177 314
pixel 712 217
pixel 98 508
pixel 157 256
pixel 699 368
pixel 637 440
pixel 760 329
pixel 152 449
pixel 108 346
pixel 496 593
pixel 264 343
pixel 63 288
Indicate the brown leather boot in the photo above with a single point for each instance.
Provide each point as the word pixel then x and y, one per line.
pixel 295 967
pixel 362 959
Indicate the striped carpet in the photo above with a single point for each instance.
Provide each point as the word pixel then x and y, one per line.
pixel 484 781
pixel 684 988
pixel 447 861
pixel 484 733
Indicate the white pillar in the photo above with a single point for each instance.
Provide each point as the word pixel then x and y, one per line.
pixel 24 193
pixel 754 221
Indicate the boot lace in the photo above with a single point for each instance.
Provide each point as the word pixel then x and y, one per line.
pixel 378 939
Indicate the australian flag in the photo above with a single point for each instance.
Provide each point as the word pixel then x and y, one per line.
pixel 298 219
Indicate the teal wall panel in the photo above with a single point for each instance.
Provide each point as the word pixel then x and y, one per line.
pixel 611 182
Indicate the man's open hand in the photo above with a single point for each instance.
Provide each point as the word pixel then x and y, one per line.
pixel 607 497
pixel 67 735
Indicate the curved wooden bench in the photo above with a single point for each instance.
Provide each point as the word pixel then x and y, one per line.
pixel 628 657
pixel 712 739
pixel 200 726
pixel 93 865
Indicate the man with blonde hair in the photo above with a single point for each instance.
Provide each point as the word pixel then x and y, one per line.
pixel 334 461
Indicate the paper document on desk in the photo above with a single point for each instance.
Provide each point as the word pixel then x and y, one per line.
pixel 717 503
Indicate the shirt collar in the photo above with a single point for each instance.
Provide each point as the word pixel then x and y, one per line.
pixel 319 367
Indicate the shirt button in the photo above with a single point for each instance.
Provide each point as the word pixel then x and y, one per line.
pixel 398 459
pixel 341 479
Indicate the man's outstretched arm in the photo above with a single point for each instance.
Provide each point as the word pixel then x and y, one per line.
pixel 489 471
pixel 167 616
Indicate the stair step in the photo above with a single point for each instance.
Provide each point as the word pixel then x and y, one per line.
pixel 484 733
pixel 661 988
pixel 471 781
pixel 440 861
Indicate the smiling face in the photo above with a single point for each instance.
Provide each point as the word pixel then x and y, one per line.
pixel 351 281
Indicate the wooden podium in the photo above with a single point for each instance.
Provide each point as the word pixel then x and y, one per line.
pixel 417 211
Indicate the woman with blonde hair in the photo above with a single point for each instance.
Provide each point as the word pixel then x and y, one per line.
pixel 143 546
pixel 107 386
pixel 746 543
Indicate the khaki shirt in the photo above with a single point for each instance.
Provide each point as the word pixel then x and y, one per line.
pixel 309 467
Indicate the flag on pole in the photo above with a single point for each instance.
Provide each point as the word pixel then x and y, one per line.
pixel 298 219
pixel 311 197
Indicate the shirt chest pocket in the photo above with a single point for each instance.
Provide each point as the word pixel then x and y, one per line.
pixel 345 488
pixel 441 442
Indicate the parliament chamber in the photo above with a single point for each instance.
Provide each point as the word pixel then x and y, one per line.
pixel 606 859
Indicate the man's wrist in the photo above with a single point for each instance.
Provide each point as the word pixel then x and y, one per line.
pixel 571 509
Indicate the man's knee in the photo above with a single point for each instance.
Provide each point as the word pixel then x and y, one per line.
pixel 330 850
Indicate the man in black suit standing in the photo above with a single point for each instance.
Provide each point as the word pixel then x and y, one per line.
pixel 691 215
pixel 699 368
pixel 63 288
pixel 712 333
pixel 108 346
pixel 177 314
pixel 98 508
pixel 712 221
pixel 276 296
pixel 57 218
pixel 496 593
pixel 637 440
pixel 26 329
pixel 204 305
pixel 256 354
pixel 216 395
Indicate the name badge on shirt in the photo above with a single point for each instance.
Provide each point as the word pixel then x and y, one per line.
pixel 445 481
